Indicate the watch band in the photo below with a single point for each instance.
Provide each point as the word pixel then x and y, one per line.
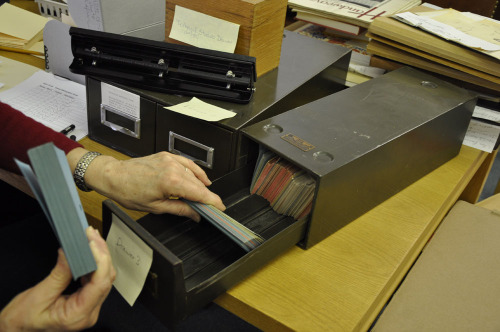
pixel 81 168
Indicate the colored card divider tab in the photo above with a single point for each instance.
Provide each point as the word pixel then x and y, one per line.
pixel 240 234
pixel 287 188
pixel 132 259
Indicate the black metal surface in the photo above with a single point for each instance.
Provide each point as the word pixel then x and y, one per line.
pixel 161 66
pixel 193 263
pixel 366 143
pixel 143 146
pixel 309 69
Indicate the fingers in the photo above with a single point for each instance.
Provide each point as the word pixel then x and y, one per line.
pixel 58 279
pixel 196 170
pixel 191 184
pixel 81 309
pixel 105 274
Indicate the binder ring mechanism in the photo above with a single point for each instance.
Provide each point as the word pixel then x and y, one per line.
pixel 120 122
pixel 199 153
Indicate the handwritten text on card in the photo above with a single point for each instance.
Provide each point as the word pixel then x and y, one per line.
pixel 204 31
pixel 131 257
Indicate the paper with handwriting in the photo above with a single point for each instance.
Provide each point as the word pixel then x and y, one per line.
pixel 486 113
pixel 201 110
pixel 482 136
pixel 131 258
pixel 51 100
pixel 205 31
pixel 477 33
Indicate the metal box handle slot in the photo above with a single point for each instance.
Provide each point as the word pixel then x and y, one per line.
pixel 120 122
pixel 199 153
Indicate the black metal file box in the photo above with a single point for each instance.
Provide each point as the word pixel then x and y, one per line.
pixel 309 69
pixel 366 143
pixel 361 145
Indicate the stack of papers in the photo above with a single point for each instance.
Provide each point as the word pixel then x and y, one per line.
pixel 461 47
pixel 21 30
pixel 356 12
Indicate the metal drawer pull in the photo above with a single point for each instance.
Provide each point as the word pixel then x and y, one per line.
pixel 121 122
pixel 204 157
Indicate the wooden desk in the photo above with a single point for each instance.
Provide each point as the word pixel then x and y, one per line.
pixel 342 283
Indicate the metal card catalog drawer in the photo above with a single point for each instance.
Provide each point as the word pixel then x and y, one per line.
pixel 114 127
pixel 207 144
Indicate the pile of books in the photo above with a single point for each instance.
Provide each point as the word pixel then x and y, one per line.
pixel 473 67
pixel 347 16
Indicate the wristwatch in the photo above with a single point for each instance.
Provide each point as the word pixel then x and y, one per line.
pixel 81 168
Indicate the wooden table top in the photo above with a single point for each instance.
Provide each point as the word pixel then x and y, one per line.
pixel 342 283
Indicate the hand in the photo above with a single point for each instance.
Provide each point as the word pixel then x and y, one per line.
pixel 43 307
pixel 149 183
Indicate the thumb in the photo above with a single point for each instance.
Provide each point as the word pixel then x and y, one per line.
pixel 58 279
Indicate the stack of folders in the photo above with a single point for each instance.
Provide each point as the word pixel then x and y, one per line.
pixel 288 189
pixel 52 183
pixel 240 234
pixel 21 30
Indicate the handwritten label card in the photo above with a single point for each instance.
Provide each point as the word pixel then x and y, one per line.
pixel 131 257
pixel 201 110
pixel 482 136
pixel 201 30
pixel 121 100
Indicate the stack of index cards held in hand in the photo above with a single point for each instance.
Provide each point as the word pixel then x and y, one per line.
pixel 240 234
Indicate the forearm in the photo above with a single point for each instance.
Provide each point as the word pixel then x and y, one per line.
pixel 20 133
pixel 147 183
pixel 97 175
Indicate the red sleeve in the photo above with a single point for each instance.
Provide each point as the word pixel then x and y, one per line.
pixel 18 133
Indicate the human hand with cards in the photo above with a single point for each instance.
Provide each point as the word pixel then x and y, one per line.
pixel 44 307
pixel 149 183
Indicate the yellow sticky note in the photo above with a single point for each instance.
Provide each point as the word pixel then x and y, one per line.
pixel 199 109
pixel 205 31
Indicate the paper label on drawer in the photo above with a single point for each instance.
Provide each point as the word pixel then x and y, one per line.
pixel 121 100
pixel 201 110
pixel 131 257
pixel 202 30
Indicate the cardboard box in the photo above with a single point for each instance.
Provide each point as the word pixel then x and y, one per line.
pixel 453 285
pixel 261 25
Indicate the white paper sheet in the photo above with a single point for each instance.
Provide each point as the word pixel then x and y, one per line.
pixel 482 136
pixel 478 35
pixel 487 114
pixel 51 100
